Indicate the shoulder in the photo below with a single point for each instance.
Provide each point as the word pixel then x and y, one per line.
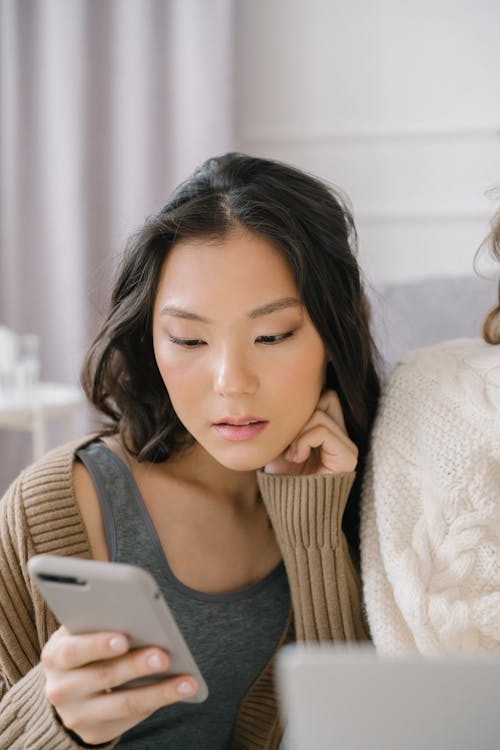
pixel 458 354
pixel 51 476
pixel 439 418
pixel 437 433
pixel 40 503
pixel 464 372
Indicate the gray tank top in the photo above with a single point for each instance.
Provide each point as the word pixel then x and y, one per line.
pixel 231 636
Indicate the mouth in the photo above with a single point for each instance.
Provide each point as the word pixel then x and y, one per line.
pixel 239 421
pixel 239 428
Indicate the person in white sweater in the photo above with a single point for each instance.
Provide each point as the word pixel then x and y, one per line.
pixel 430 522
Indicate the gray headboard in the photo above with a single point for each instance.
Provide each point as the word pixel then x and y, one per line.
pixel 409 315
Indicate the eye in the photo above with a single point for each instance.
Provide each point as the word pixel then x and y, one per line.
pixel 273 339
pixel 187 343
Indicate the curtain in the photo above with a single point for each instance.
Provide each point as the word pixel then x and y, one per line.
pixel 105 105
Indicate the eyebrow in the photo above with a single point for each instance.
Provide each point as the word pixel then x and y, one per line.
pixel 279 304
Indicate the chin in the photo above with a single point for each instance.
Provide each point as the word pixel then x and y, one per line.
pixel 243 458
pixel 239 464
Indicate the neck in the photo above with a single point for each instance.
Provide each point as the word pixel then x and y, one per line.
pixel 199 467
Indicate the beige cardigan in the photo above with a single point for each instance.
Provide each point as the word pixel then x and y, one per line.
pixel 39 514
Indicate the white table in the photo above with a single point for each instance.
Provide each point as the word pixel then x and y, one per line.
pixel 31 409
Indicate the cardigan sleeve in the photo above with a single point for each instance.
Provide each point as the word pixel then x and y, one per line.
pixel 27 720
pixel 306 514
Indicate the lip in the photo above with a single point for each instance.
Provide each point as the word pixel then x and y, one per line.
pixel 237 429
pixel 238 421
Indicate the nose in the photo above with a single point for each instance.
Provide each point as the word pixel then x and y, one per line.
pixel 233 373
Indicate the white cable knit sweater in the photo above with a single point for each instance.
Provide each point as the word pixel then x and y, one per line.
pixel 430 525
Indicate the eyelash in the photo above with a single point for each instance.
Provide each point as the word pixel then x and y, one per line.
pixel 267 340
pixel 277 339
pixel 186 343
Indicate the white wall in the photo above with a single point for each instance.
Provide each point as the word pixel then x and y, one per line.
pixel 397 103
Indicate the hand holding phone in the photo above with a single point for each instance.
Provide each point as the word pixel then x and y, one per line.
pixel 119 655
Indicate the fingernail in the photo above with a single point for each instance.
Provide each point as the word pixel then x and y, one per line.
pixel 155 661
pixel 290 454
pixel 185 688
pixel 118 643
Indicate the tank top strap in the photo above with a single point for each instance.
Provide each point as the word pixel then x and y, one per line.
pixel 127 523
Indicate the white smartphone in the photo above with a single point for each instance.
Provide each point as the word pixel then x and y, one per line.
pixel 88 596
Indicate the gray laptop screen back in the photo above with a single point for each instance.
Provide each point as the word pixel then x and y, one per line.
pixel 347 698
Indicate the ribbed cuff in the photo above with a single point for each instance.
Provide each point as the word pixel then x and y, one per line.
pixel 306 514
pixel 306 511
pixel 28 721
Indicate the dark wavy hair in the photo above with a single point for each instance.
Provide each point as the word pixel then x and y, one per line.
pixel 311 224
pixel 491 325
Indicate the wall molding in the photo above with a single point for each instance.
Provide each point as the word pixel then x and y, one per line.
pixel 428 216
pixel 426 131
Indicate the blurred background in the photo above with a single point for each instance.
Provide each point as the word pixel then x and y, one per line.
pixel 105 105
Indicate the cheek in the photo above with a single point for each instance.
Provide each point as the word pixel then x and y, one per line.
pixel 175 379
pixel 299 392
pixel 309 375
pixel 171 371
pixel 171 364
pixel 184 387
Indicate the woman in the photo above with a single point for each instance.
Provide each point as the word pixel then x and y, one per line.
pixel 235 369
pixel 431 506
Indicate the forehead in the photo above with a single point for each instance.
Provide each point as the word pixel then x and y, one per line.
pixel 242 261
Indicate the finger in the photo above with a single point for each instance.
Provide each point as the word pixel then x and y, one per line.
pixel 106 717
pixel 142 701
pixel 330 403
pixel 337 455
pixel 112 673
pixel 282 466
pixel 66 651
pixel 321 418
pixel 335 458
pixel 140 663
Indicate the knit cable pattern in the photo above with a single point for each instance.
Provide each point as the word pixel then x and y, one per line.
pixel 431 507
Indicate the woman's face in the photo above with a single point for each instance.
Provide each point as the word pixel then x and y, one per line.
pixel 240 358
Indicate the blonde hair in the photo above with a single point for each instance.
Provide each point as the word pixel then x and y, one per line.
pixel 491 325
